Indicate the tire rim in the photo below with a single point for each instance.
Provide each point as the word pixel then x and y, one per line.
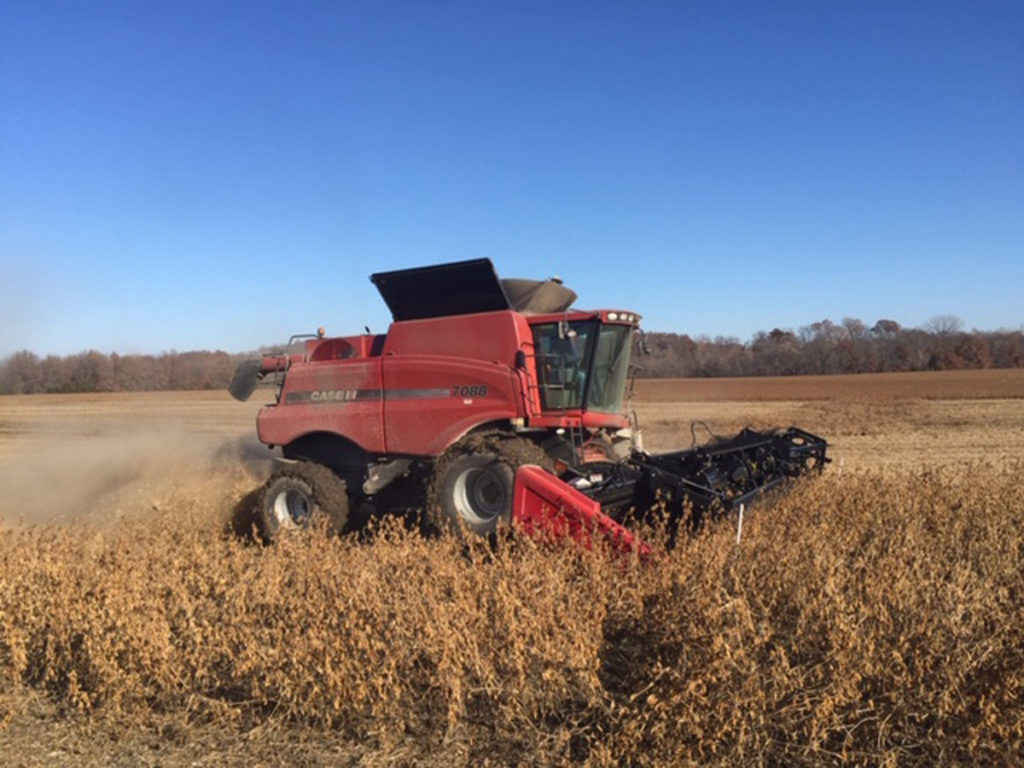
pixel 291 509
pixel 479 496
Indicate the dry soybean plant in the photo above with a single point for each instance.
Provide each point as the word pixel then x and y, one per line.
pixel 875 618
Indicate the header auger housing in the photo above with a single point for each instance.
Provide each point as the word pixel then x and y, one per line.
pixel 490 401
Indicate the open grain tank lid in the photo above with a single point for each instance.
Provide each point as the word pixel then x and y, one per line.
pixel 465 287
pixel 538 297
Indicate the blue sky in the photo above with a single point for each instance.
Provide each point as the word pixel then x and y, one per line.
pixel 219 175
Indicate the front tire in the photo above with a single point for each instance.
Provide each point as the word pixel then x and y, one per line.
pixel 302 495
pixel 477 493
pixel 474 483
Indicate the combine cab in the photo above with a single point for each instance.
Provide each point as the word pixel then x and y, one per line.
pixel 490 401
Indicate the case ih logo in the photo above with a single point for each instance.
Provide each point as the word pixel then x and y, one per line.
pixel 333 395
pixel 351 395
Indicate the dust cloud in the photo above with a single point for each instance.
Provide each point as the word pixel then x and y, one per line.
pixel 121 472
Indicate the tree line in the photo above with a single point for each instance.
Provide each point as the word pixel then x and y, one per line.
pixel 820 348
pixel 826 347
pixel 26 373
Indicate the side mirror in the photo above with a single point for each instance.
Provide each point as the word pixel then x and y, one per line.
pixel 641 342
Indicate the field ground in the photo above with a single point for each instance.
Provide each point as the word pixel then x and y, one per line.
pixel 933 385
pixel 871 421
pixel 93 462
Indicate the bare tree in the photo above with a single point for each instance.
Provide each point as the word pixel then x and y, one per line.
pixel 20 374
pixel 944 325
pixel 885 328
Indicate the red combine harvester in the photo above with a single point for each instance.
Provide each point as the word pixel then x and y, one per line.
pixel 491 401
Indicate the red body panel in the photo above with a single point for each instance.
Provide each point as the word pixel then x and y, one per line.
pixel 486 337
pixel 545 507
pixel 556 419
pixel 431 401
pixel 341 396
pixel 444 376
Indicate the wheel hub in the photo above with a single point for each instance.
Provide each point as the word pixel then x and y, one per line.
pixel 291 508
pixel 480 496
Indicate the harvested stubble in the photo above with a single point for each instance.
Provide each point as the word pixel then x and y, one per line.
pixel 869 618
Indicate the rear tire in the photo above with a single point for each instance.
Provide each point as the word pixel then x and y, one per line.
pixel 474 483
pixel 302 495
